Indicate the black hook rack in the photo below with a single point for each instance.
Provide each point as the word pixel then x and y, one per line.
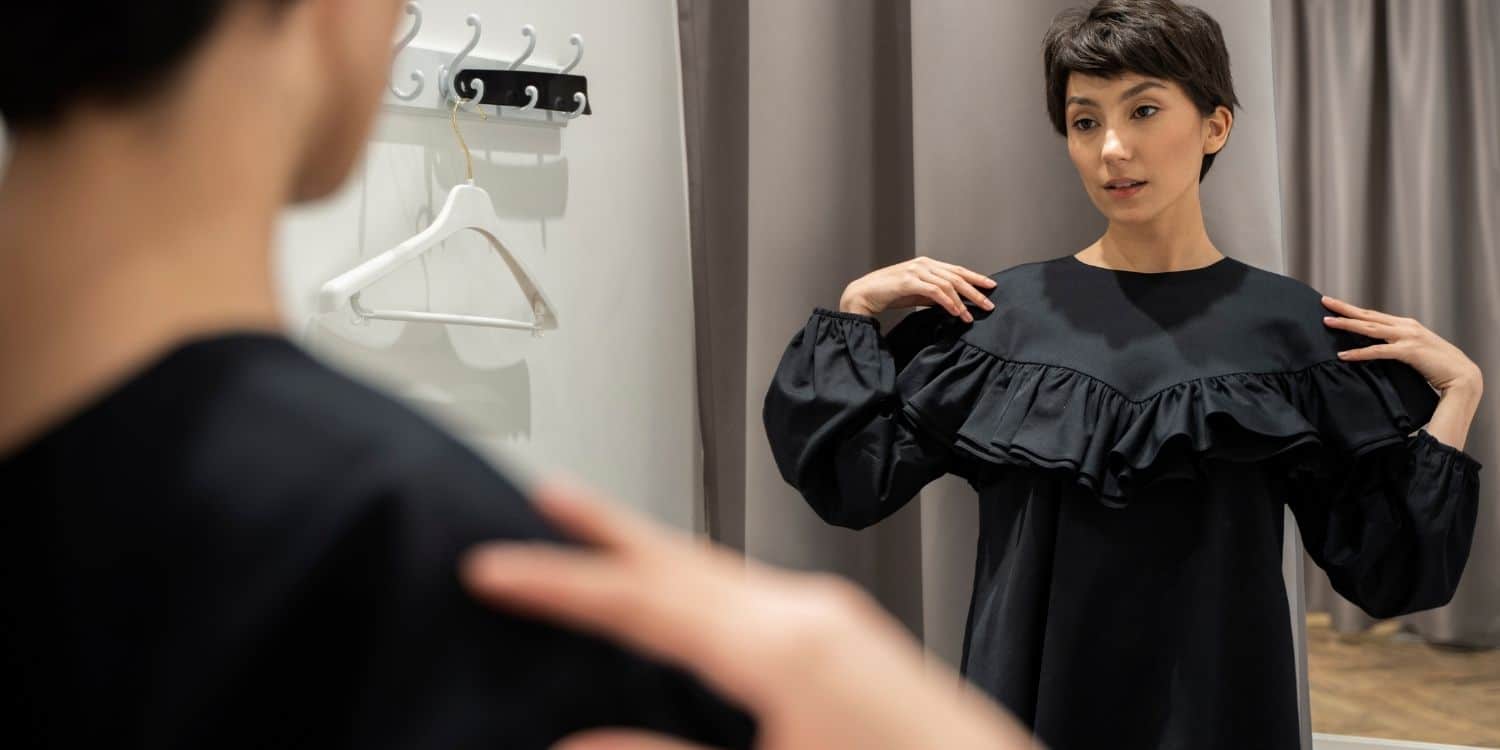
pixel 507 88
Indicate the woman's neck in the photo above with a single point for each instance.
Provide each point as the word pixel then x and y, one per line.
pixel 113 249
pixel 1173 240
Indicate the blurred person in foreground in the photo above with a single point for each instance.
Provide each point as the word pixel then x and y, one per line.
pixel 215 541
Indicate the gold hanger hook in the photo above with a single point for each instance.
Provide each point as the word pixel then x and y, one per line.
pixel 453 117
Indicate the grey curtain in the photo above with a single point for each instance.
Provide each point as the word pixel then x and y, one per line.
pixel 1390 134
pixel 800 179
pixel 715 77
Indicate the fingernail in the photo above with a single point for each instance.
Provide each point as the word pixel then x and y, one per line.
pixel 1327 318
pixel 1343 354
pixel 988 305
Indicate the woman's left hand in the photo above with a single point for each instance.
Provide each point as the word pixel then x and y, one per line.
pixel 1440 362
pixel 815 659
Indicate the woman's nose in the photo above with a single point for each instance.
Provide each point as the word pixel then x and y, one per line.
pixel 1114 146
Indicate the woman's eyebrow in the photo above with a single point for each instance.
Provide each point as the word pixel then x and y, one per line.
pixel 1132 91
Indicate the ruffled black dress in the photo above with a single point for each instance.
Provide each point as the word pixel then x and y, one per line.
pixel 1133 438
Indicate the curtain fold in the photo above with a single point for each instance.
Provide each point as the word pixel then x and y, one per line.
pixel 1387 127
pixel 715 81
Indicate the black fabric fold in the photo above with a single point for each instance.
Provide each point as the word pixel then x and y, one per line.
pixel 1051 416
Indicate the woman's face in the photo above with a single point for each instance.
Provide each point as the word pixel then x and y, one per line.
pixel 1138 129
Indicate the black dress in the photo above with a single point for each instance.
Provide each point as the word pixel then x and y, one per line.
pixel 241 548
pixel 1133 438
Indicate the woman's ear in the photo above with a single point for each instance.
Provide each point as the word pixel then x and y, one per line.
pixel 1219 125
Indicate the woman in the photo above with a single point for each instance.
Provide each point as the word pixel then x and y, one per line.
pixel 1133 417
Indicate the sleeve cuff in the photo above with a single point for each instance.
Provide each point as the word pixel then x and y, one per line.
pixel 1457 455
pixel 839 315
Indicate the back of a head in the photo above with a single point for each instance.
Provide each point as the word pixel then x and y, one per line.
pixel 1157 38
pixel 116 53
pixel 319 66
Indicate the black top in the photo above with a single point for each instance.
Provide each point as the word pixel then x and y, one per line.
pixel 1133 438
pixel 241 548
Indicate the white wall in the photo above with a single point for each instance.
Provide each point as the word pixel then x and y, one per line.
pixel 599 211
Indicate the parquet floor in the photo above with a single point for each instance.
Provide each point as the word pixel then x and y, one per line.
pixel 1388 683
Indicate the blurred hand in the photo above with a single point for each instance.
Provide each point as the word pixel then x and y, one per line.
pixel 919 281
pixel 815 660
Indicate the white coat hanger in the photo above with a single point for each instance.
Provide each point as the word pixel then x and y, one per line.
pixel 468 208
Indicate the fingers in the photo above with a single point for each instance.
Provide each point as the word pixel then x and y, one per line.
pixel 602 595
pixel 1344 308
pixel 967 290
pixel 1369 328
pixel 1378 351
pixel 941 292
pixel 623 739
pixel 678 610
pixel 945 293
pixel 580 513
pixel 973 277
pixel 576 587
pixel 638 584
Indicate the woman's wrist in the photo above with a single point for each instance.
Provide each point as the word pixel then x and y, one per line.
pixel 1468 390
pixel 852 302
pixel 1455 412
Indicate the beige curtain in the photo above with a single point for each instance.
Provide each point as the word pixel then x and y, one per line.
pixel 878 130
pixel 1390 131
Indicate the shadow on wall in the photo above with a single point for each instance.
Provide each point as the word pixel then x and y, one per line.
pixel 424 366
pixel 475 380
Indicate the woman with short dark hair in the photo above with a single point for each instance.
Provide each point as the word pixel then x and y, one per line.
pixel 1134 417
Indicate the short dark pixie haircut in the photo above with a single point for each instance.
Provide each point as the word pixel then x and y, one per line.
pixel 115 52
pixel 1156 38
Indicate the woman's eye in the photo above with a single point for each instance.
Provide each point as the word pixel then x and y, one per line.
pixel 1085 123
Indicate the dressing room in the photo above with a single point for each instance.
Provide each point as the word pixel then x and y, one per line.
pixel 729 374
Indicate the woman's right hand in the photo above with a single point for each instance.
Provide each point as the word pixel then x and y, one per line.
pixel 919 281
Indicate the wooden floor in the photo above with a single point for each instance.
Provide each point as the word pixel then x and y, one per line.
pixel 1387 683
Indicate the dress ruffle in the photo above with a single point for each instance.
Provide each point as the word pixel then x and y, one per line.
pixel 1006 412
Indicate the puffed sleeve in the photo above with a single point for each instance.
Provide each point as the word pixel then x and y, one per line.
pixel 834 419
pixel 1392 527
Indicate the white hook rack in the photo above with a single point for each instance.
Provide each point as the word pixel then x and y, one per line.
pixel 529 32
pixel 583 103
pixel 414 10
pixel 438 100
pixel 449 72
pixel 577 41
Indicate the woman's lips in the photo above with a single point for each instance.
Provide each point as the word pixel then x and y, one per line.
pixel 1126 192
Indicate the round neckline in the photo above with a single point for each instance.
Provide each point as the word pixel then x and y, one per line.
pixel 1223 260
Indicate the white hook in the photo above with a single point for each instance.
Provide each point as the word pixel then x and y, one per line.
pixel 583 103
pixel 450 71
pixel 534 95
pixel 414 10
pixel 472 103
pixel 529 32
pixel 577 41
